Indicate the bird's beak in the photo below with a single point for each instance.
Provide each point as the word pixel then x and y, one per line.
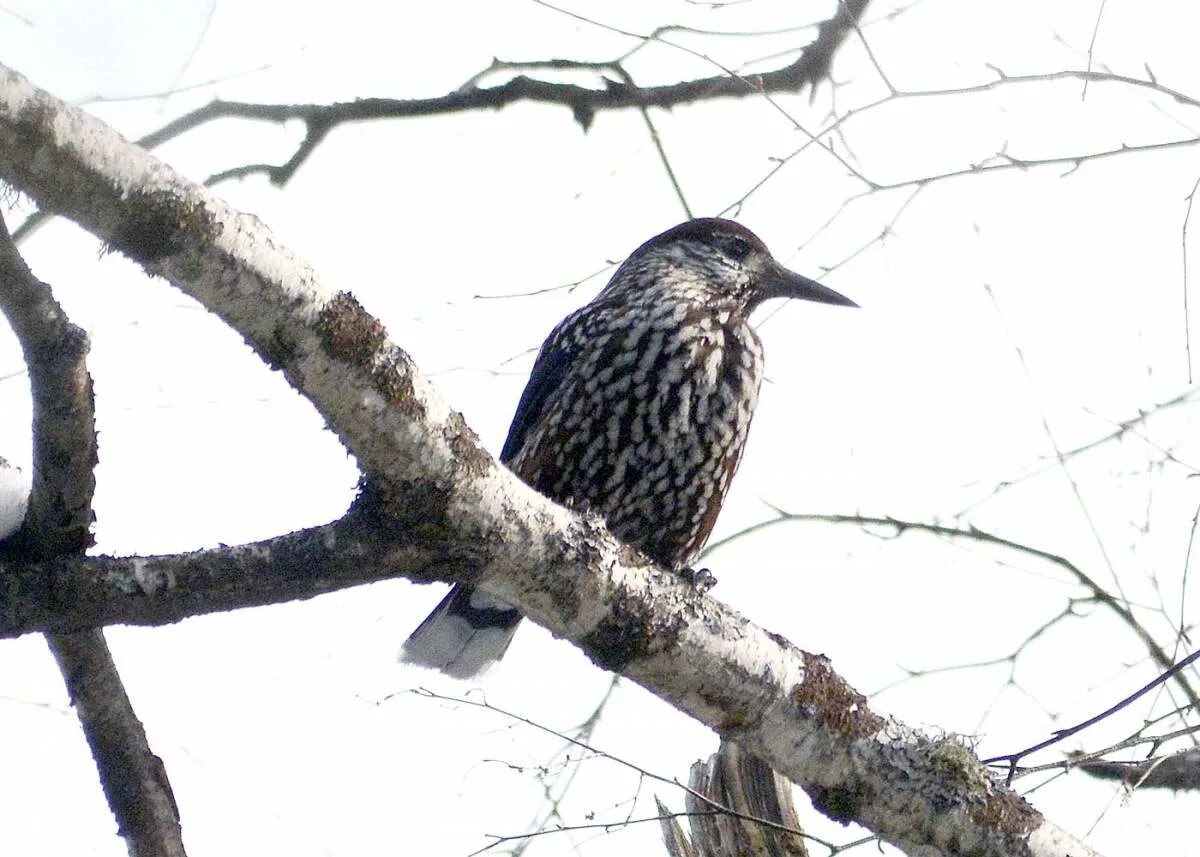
pixel 779 282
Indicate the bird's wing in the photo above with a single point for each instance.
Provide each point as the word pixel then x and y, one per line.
pixel 552 367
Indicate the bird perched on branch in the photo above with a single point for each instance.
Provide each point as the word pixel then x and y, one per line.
pixel 637 409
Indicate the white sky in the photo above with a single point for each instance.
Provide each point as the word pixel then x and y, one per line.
pixel 275 724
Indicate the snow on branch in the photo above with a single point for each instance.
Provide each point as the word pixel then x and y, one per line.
pixel 434 485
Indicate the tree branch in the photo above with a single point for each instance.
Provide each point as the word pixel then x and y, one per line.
pixel 58 515
pixel 1179 771
pixel 809 68
pixel 1098 592
pixel 74 592
pixel 57 520
pixel 435 484
pixel 133 777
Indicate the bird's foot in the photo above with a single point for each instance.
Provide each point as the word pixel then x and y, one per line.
pixel 700 578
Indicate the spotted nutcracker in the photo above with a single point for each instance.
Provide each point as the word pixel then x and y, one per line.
pixel 637 409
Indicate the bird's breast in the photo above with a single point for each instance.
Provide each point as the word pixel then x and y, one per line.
pixel 650 427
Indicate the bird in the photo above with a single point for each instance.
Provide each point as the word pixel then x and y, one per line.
pixel 637 409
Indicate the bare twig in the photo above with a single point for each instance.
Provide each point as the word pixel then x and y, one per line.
pixel 1179 771
pixel 1102 595
pixel 1122 428
pixel 1081 759
pixel 1068 612
pixel 870 53
pixel 1013 759
pixel 997 161
pixel 652 130
pixel 583 102
pixel 704 800
pixel 1044 419
pixel 1187 316
pixel 1091 51
pixel 829 35
pixel 555 790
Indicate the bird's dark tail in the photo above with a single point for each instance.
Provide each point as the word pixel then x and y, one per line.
pixel 464 635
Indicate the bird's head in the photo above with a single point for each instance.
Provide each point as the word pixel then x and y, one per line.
pixel 715 261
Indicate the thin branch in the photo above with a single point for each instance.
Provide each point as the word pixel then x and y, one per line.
pixel 555 789
pixel 1123 427
pixel 1187 315
pixel 133 777
pixel 832 32
pixel 1091 51
pixel 901 527
pixel 1010 659
pixel 174 88
pixel 1179 771
pixel 1012 759
pixel 599 754
pixel 604 826
pixel 1044 420
pixel 584 103
pixel 998 161
pixel 870 53
pixel 74 592
pixel 658 146
pixel 1082 760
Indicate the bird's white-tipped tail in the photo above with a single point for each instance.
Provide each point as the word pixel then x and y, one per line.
pixel 464 635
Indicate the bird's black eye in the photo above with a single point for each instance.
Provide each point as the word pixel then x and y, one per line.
pixel 734 246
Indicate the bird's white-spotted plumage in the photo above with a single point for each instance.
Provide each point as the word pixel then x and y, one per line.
pixel 637 409
pixel 651 437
